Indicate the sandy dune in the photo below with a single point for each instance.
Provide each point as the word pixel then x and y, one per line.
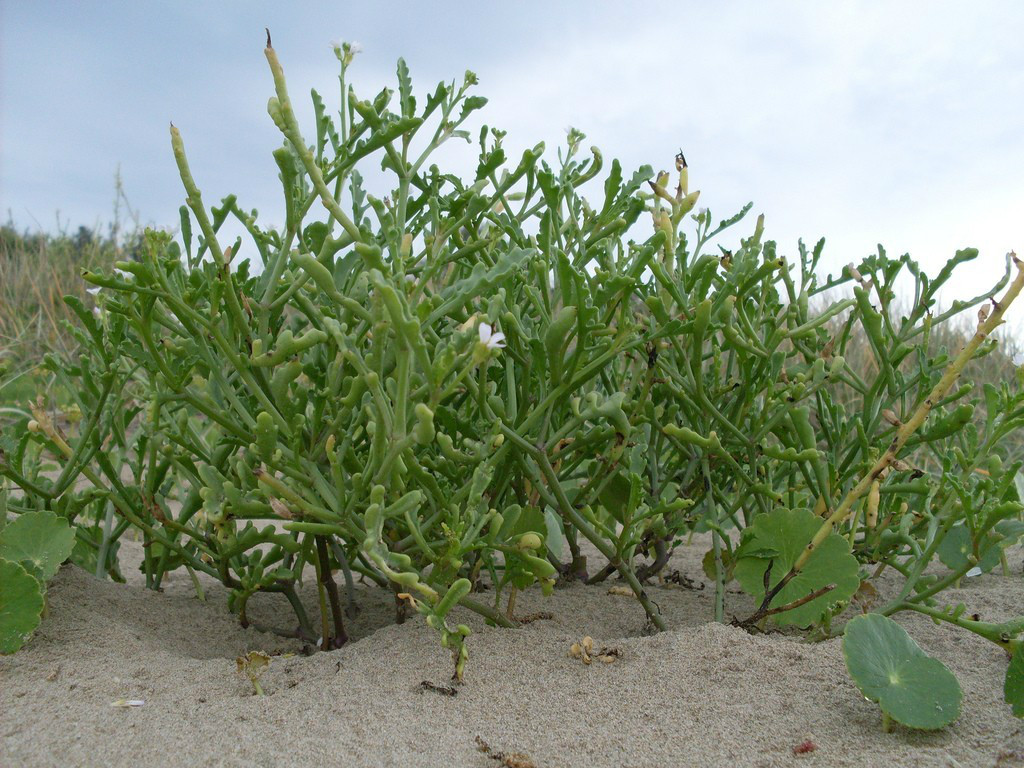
pixel 700 694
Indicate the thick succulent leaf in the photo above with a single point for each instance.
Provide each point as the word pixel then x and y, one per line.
pixel 778 538
pixel 21 605
pixel 40 539
pixel 887 665
pixel 1013 690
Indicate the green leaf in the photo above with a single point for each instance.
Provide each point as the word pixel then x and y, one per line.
pixel 787 532
pixel 405 96
pixel 41 539
pixel 481 281
pixel 957 549
pixel 614 496
pixel 1013 690
pixel 85 555
pixel 530 520
pixel 555 537
pixel 710 568
pixel 21 605
pixel 471 104
pixel 887 665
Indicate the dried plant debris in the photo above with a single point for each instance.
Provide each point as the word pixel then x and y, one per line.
pixel 253 665
pixel 679 578
pixel 507 759
pixel 865 596
pixel 529 618
pixel 584 651
pixel 444 690
pixel 622 592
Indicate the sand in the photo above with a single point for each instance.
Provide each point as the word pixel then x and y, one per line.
pixel 701 694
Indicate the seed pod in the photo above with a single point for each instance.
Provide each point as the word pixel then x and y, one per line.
pixel 871 517
pixel 687 203
pixel 274 110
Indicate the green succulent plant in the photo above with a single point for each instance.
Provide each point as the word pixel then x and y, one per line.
pixel 459 385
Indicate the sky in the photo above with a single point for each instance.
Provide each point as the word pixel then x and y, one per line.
pixel 897 123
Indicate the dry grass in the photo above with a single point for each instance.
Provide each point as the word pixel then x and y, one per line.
pixel 36 271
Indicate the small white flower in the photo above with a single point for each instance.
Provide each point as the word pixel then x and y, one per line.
pixel 1018 358
pixel 122 273
pixel 355 48
pixel 490 339
pixel 94 290
pixel 97 312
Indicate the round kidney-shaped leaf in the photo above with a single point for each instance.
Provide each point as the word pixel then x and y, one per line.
pixel 1013 690
pixel 21 604
pixel 778 538
pixel 40 539
pixel 887 665
pixel 957 548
